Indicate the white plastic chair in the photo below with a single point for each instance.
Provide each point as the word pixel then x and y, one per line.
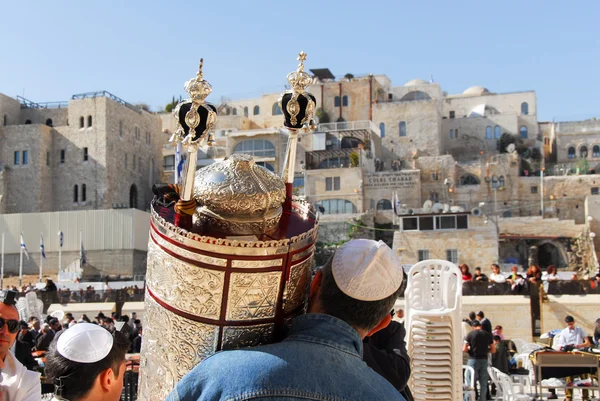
pixel 468 383
pixel 529 348
pixel 508 391
pixel 494 378
pixel 433 320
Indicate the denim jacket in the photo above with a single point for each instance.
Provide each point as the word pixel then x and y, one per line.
pixel 319 360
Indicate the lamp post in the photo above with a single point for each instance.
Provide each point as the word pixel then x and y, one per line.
pixel 496 183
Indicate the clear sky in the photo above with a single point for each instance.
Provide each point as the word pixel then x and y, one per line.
pixel 145 51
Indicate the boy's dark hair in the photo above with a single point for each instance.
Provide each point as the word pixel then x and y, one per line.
pixel 472 316
pixel 73 379
pixel 362 314
pixel 497 338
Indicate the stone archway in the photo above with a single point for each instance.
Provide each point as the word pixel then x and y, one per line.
pixel 552 253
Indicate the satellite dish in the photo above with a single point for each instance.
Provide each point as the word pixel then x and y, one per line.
pixel 510 148
pixel 476 212
pixel 427 206
pixel 446 208
pixel 59 314
pixel 437 208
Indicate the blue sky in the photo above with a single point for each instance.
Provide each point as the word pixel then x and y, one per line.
pixel 145 51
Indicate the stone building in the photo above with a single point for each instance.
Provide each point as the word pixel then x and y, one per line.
pixel 94 152
pixel 399 150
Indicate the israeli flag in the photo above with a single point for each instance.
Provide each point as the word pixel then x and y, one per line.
pixel 43 252
pixel 24 247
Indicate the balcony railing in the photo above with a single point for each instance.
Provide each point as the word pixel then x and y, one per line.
pixel 350 126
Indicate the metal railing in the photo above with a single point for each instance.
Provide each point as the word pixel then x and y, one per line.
pixel 107 94
pixel 349 126
pixel 28 104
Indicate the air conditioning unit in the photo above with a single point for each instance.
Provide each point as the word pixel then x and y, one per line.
pixel 328 142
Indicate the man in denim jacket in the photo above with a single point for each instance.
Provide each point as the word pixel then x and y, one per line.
pixel 321 358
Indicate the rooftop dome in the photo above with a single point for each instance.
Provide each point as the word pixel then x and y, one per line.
pixel 476 91
pixel 416 82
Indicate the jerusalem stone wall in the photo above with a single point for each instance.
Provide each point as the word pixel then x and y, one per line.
pixel 583 308
pixel 10 108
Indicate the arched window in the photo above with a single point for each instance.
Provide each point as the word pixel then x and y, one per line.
pixel 488 132
pixel 256 110
pixel 382 129
pixel 266 165
pixel 571 152
pixel 75 194
pixel 583 152
pixel 49 122
pixel 402 126
pixel 234 112
pixel 596 151
pixel 256 148
pixel 246 111
pixel 415 95
pixel 133 201
pixel 337 206
pixel 524 108
pixel 81 122
pixel 276 110
pixel 469 179
pixel 384 204
pixel 497 133
pixel 336 101
pixel 345 101
pixel 89 121
pixel 83 193
pixel 523 132
pixel 27 122
pixel 5 120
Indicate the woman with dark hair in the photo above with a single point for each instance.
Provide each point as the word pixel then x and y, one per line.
pixel 466 276
pixel 550 274
pixel 534 274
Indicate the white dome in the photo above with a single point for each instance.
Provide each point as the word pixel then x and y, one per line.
pixel 476 91
pixel 416 82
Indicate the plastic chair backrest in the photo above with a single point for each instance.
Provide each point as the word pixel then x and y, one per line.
pixel 468 376
pixel 506 385
pixel 529 348
pixel 434 284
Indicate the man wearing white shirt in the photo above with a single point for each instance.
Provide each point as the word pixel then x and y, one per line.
pixel 571 338
pixel 16 382
pixel 496 276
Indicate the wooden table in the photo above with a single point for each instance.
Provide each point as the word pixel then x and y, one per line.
pixel 562 364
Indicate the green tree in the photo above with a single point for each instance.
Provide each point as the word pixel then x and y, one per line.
pixel 322 115
pixel 354 159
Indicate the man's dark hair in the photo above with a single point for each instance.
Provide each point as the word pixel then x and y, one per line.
pixel 478 268
pixel 480 314
pixel 124 318
pixel 495 265
pixel 362 314
pixel 569 319
pixel 137 321
pixel 475 323
pixel 472 316
pixel 497 338
pixel 76 379
pixel 53 321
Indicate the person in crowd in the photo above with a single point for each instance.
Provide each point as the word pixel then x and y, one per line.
pixel 550 274
pixel 132 320
pixel 478 344
pixel 486 325
pixel 87 362
pixel 68 319
pixel 350 297
pixel 534 274
pixel 570 338
pixel 109 324
pixel 136 344
pixel 18 383
pixel 42 342
pixel 501 357
pixel 25 335
pixel 84 319
pixel 100 318
pixel 55 325
pixel 497 276
pixel 466 276
pixel 515 279
pixel 34 327
pixel 472 316
pixel 385 352
pixel 498 332
pixel 479 276
pixel 50 286
pixel 596 336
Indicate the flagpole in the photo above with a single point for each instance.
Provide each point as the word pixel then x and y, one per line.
pixel 2 265
pixel 60 240
pixel 41 255
pixel 21 265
